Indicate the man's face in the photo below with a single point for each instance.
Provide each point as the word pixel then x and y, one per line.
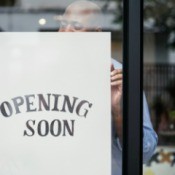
pixel 75 20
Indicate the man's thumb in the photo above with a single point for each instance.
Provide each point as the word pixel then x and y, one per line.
pixel 112 67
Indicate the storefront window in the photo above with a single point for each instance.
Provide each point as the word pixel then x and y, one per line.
pixel 159 81
pixel 49 16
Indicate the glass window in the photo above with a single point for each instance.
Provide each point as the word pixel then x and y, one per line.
pixel 54 16
pixel 159 81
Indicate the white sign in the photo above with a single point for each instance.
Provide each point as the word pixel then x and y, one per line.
pixel 55 112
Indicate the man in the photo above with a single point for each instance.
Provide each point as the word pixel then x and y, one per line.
pixel 85 16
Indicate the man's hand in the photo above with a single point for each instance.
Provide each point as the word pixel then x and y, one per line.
pixel 116 96
pixel 116 89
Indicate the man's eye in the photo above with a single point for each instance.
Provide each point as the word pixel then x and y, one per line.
pixel 78 26
pixel 63 24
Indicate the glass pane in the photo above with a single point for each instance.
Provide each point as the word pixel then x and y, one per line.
pixel 159 81
pixel 76 16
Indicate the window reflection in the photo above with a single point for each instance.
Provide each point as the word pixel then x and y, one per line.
pixel 159 81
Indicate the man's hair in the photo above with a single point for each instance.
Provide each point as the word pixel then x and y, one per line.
pixel 87 8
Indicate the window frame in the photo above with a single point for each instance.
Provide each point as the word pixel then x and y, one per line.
pixel 132 87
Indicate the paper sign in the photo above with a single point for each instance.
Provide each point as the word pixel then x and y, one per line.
pixel 55 112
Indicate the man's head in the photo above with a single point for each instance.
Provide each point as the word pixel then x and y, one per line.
pixel 81 16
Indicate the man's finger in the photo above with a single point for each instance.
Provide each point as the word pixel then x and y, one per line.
pixel 116 83
pixel 112 67
pixel 116 71
pixel 117 77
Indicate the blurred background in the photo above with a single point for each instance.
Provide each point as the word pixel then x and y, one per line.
pixel 159 57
